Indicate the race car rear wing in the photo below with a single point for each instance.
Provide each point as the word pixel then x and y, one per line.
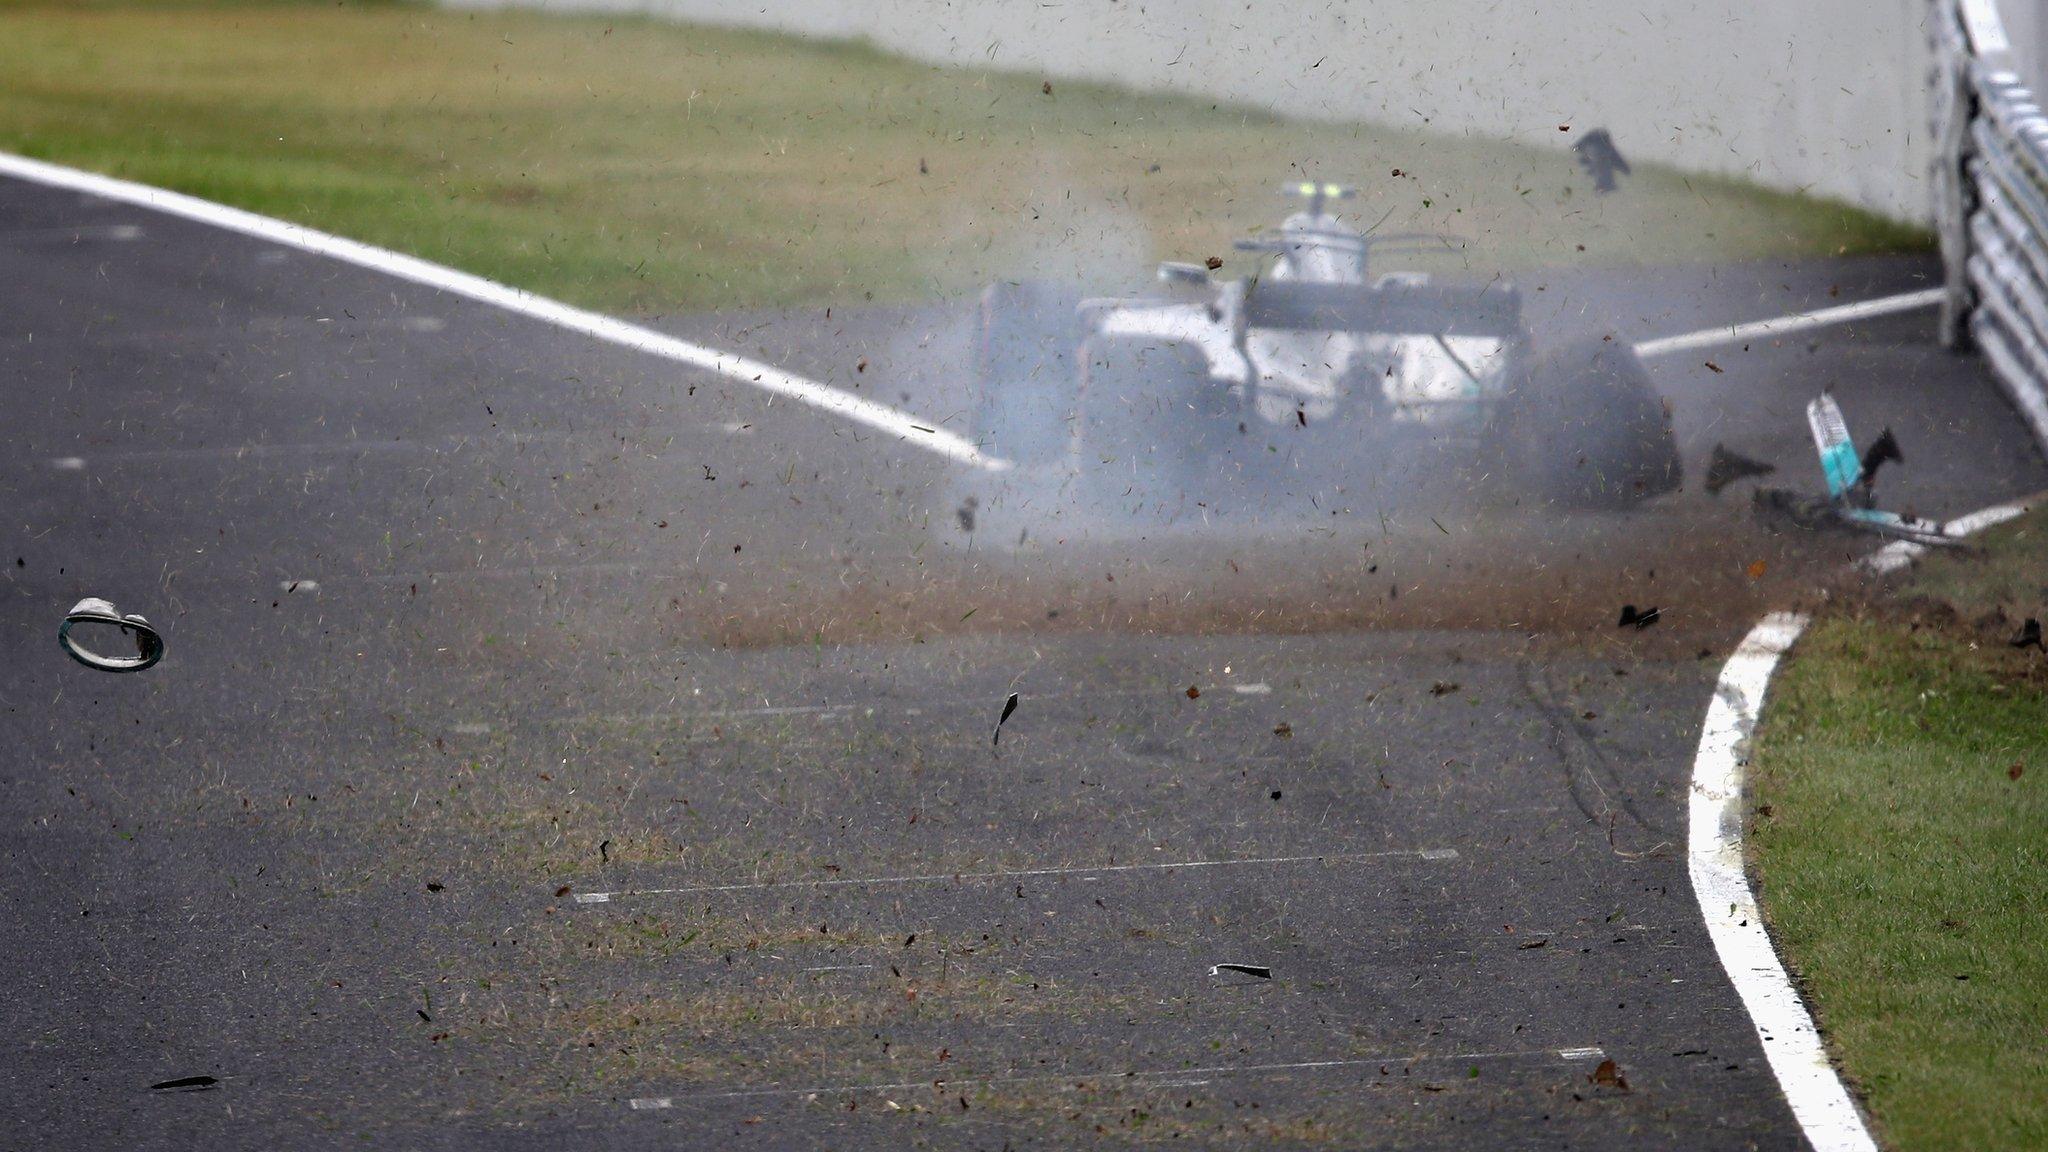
pixel 1493 310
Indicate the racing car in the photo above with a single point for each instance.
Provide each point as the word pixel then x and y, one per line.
pixel 1315 362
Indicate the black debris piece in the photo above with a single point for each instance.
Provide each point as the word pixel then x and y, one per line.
pixel 1009 706
pixel 186 1084
pixel 1883 450
pixel 1725 468
pixel 1258 970
pixel 1600 159
pixel 1632 618
pixel 2029 635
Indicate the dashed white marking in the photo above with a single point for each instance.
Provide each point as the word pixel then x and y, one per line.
pixel 68 463
pixel 86 232
pixel 748 371
pixel 1819 1101
pixel 423 324
pixel 1786 325
pixel 1141 1078
pixel 297 586
pixel 1019 874
pixel 838 968
pixel 473 729
pixel 1252 689
pixel 1581 1053
pixel 735 428
pixel 650 1103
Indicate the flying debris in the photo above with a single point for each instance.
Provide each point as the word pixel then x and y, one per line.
pixel 1725 468
pixel 1601 159
pixel 2029 635
pixel 1850 502
pixel 1009 706
pixel 149 646
pixel 1632 618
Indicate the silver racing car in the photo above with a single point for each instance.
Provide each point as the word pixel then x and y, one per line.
pixel 1315 363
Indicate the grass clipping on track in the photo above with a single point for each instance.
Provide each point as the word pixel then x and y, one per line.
pixel 637 166
pixel 1900 816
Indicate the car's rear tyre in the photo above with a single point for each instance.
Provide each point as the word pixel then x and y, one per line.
pixel 1582 427
pixel 1147 409
pixel 1026 373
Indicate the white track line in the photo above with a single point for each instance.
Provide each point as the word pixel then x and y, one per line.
pixel 1140 1079
pixel 1019 874
pixel 911 429
pixel 1786 325
pixel 1819 1101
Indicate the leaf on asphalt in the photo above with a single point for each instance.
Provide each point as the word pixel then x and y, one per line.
pixel 1757 569
pixel 1194 693
pixel 1713 367
pixel 2013 773
pixel 561 892
pixel 1608 1075
pixel 1443 687
pixel 1525 945
pixel 435 886
pixel 1284 730
pixel 1213 263
pixel 185 1084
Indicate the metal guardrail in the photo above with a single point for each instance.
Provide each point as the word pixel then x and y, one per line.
pixel 1991 203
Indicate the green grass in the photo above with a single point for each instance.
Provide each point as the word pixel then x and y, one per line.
pixel 638 166
pixel 1903 864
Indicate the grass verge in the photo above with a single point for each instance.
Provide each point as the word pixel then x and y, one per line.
pixel 637 166
pixel 1901 837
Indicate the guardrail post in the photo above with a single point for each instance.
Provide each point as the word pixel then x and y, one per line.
pixel 1954 107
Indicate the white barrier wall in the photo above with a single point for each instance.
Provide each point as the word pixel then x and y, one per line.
pixel 1821 96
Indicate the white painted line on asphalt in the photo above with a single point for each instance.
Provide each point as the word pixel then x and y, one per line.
pixel 1791 1042
pixel 1786 325
pixel 1147 1078
pixel 68 463
pixel 1019 874
pixel 1252 689
pixel 1819 1101
pixel 910 429
pixel 1581 1053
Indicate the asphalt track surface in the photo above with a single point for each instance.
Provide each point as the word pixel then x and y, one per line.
pixel 464 611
